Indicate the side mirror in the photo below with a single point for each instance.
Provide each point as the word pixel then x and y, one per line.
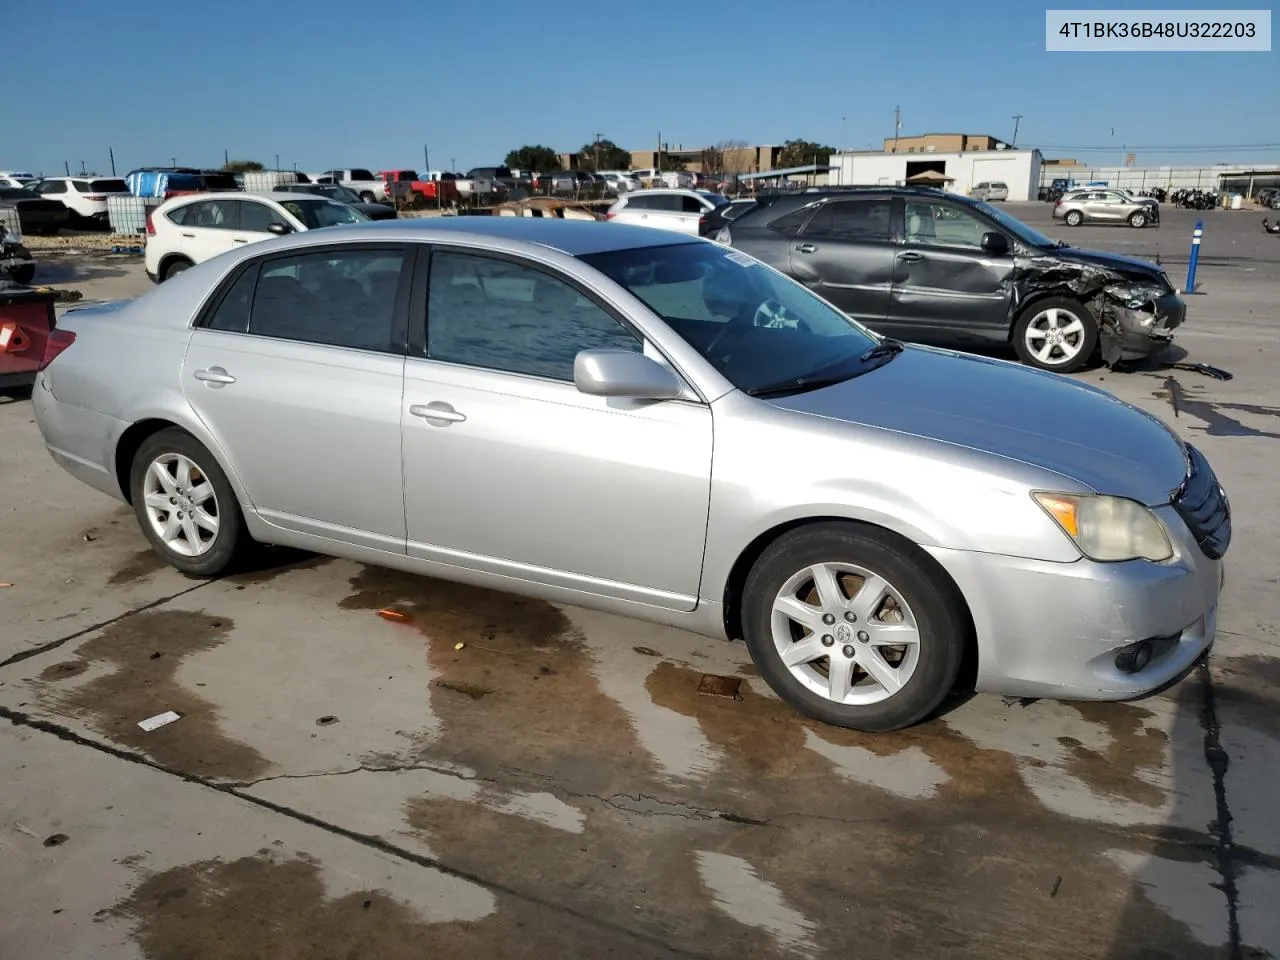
pixel 608 372
pixel 279 229
pixel 994 243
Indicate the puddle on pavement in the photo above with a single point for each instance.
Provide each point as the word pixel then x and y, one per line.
pixel 1217 423
pixel 1133 750
pixel 142 564
pixel 810 809
pixel 1249 693
pixel 141 684
pixel 264 907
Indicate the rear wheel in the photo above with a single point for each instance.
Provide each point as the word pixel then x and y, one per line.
pixel 1074 218
pixel 1055 334
pixel 1137 219
pixel 25 273
pixel 368 197
pixel 174 267
pixel 185 505
pixel 854 627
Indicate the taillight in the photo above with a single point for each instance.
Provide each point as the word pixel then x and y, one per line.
pixel 58 341
pixel 151 227
pixel 1058 202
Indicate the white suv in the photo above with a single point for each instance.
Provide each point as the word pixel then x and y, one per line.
pixel 192 228
pixel 678 210
pixel 17 179
pixel 84 197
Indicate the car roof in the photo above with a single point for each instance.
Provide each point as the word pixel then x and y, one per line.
pixel 658 191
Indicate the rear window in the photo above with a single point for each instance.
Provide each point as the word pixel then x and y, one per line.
pixel 108 186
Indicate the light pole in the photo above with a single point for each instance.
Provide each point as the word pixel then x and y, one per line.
pixel 1017 118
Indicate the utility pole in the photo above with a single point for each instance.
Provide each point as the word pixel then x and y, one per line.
pixel 173 161
pixel 226 159
pixel 112 154
pixel 598 136
pixel 82 173
pixel 66 165
pixel 658 161
pixel 897 126
pixel 426 158
pixel 453 164
pixel 1017 118
pixel 277 166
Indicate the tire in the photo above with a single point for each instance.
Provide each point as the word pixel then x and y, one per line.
pixel 23 274
pixel 1076 344
pixel 174 267
pixel 1074 218
pixel 368 197
pixel 1137 219
pixel 167 450
pixel 922 597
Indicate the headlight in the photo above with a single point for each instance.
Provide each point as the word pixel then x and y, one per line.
pixel 1108 529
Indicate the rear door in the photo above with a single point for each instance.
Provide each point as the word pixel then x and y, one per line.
pixel 945 286
pixel 297 371
pixel 207 228
pixel 845 253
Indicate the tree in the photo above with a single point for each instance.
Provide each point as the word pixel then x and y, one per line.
pixel 537 158
pixel 241 166
pixel 728 157
pixel 801 153
pixel 611 156
pixel 667 162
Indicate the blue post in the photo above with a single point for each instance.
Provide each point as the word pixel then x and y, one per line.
pixel 1195 256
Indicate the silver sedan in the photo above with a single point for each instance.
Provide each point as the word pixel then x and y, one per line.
pixel 629 420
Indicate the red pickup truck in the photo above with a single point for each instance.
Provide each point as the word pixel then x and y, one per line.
pixel 445 191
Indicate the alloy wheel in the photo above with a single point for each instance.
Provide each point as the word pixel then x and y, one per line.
pixel 1055 336
pixel 845 633
pixel 181 505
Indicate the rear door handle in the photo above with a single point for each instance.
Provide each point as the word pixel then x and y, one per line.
pixel 806 248
pixel 215 376
pixel 238 240
pixel 189 236
pixel 910 257
pixel 437 412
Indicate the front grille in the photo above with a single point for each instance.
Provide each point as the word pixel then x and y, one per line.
pixel 1204 508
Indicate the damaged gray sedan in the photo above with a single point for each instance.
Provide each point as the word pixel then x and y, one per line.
pixel 933 267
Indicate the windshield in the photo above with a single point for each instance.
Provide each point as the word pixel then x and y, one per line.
pixel 1019 229
pixel 717 199
pixel 343 194
pixel 757 327
pixel 319 213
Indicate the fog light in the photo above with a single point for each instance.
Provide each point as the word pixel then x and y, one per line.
pixel 1134 658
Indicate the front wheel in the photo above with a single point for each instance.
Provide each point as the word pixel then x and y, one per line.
pixel 1137 219
pixel 185 505
pixel 853 627
pixel 1055 334
pixel 1074 218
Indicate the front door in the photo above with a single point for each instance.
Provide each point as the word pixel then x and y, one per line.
pixel 509 469
pixel 845 253
pixel 298 375
pixel 946 288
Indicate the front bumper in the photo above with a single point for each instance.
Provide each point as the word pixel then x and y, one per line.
pixel 1055 629
pixel 1145 332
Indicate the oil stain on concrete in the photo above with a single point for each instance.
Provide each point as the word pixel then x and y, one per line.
pixel 139 566
pixel 144 653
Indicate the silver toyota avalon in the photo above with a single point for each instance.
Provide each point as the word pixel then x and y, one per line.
pixel 630 420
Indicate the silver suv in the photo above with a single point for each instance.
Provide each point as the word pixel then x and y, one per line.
pixel 990 190
pixel 1106 206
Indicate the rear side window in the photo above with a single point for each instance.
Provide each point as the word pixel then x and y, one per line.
pixel 108 186
pixel 82 186
pixel 209 214
pixel 852 220
pixel 362 175
pixel 232 314
pixel 341 298
pixel 691 205
pixel 53 186
pixel 789 224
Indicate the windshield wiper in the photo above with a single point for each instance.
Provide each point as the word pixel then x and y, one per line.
pixel 884 350
pixel 888 347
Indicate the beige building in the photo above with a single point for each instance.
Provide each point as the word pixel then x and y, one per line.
pixel 744 159
pixel 943 143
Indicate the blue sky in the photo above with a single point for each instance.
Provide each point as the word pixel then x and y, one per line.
pixel 367 84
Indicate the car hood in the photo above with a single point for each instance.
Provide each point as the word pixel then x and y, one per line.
pixel 1110 261
pixel 1012 411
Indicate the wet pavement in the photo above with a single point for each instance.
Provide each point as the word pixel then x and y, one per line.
pixel 500 777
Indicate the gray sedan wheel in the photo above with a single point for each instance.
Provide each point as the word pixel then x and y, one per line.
pixel 1074 218
pixel 853 626
pixel 1137 219
pixel 184 504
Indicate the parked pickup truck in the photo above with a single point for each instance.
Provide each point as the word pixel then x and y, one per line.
pixel 362 181
pixel 434 189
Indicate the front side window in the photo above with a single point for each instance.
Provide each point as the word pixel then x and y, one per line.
pixel 485 312
pixel 691 205
pixel 258 217
pixel 342 298
pixel 943 225
pixel 756 326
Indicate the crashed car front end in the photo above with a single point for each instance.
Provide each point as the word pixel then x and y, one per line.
pixel 1137 318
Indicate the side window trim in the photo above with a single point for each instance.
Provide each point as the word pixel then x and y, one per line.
pixel 400 318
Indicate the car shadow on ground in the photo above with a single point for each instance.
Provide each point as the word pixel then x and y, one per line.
pixel 76 268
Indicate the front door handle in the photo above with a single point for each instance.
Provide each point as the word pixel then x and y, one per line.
pixel 910 257
pixel 238 240
pixel 806 248
pixel 437 413
pixel 215 376
pixel 189 236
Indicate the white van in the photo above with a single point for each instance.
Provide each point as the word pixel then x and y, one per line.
pixel 671 179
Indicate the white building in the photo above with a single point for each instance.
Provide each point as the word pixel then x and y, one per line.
pixel 1019 169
